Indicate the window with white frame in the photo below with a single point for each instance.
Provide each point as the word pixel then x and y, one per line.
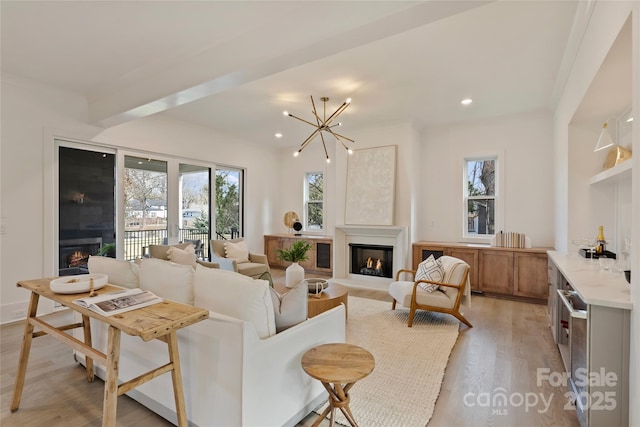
pixel 314 201
pixel 479 217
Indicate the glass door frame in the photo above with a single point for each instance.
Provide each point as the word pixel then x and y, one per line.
pixel 174 219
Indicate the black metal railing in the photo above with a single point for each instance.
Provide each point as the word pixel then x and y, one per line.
pixel 136 243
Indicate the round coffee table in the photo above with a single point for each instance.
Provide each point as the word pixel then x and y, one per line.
pixel 331 297
pixel 335 365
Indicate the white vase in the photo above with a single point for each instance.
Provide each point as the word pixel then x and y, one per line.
pixel 294 274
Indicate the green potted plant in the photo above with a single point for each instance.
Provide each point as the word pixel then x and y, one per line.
pixel 297 252
pixel 108 250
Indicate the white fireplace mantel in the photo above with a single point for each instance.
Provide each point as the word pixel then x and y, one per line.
pixel 395 236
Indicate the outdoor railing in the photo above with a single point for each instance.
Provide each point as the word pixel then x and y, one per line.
pixel 136 243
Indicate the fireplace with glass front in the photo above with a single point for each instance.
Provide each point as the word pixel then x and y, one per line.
pixel 74 255
pixel 371 260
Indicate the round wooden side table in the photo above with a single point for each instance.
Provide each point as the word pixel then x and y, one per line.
pixel 331 297
pixel 335 365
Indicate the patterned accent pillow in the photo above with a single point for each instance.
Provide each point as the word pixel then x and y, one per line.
pixel 430 269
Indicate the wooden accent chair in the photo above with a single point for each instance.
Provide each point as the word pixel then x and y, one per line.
pixel 409 294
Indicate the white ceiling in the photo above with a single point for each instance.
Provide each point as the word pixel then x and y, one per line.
pixel 236 65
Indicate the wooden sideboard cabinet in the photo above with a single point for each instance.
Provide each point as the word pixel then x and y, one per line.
pixel 320 256
pixel 504 272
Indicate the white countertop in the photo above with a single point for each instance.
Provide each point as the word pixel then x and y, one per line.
pixel 595 286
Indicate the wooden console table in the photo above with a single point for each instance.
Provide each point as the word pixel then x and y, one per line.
pixel 159 321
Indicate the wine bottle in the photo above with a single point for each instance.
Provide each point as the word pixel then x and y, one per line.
pixel 601 244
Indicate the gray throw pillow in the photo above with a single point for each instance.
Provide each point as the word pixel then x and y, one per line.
pixel 290 308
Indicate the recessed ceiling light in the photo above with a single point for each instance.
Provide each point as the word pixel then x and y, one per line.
pixel 630 119
pixel 466 101
pixel 278 135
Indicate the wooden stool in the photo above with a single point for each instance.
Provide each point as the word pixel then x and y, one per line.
pixel 335 365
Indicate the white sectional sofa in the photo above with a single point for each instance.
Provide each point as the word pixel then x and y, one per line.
pixel 236 371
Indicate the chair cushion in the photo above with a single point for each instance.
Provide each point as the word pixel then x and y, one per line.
pixel 161 251
pixel 290 308
pixel 401 291
pixel 120 273
pixel 167 279
pixel 225 264
pixel 236 295
pixel 252 269
pixel 430 269
pixel 237 251
pixel 185 256
pixel 454 269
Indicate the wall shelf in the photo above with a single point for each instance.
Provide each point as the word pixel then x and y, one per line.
pixel 623 170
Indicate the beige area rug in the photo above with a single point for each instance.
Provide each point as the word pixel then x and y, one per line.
pixel 410 363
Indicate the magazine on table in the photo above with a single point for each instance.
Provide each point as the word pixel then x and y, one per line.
pixel 119 302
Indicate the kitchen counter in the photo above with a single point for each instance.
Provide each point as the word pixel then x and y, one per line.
pixel 595 286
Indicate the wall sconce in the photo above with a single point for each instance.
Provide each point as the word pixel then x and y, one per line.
pixel 605 140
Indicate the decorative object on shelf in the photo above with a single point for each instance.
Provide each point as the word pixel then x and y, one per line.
pixel 297 252
pixel 323 125
pixel 297 226
pixel 616 155
pixel 289 219
pixel 601 244
pixel 605 140
pixel 510 239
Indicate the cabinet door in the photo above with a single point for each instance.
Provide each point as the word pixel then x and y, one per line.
pixel 552 302
pixel 310 263
pixel 531 279
pixel 422 252
pixel 470 256
pixel 496 272
pixel 271 245
pixel 324 255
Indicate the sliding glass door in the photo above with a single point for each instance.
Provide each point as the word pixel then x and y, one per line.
pixel 228 191
pixel 145 205
pixel 117 203
pixel 195 207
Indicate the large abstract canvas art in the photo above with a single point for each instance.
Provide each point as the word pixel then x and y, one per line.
pixel 371 183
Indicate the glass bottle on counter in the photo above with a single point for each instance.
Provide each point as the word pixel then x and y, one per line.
pixel 601 243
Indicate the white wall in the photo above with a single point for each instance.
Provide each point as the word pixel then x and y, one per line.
pixel 526 143
pixel 33 114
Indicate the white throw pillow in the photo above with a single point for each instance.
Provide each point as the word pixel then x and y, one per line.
pixel 430 269
pixel 168 280
pixel 236 295
pixel 185 256
pixel 120 273
pixel 237 251
pixel 291 307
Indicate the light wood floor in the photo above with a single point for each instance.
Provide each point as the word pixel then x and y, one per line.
pixel 509 342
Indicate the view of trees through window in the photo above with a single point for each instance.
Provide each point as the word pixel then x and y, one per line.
pixel 314 198
pixel 480 196
pixel 145 183
pixel 228 187
pixel 147 206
